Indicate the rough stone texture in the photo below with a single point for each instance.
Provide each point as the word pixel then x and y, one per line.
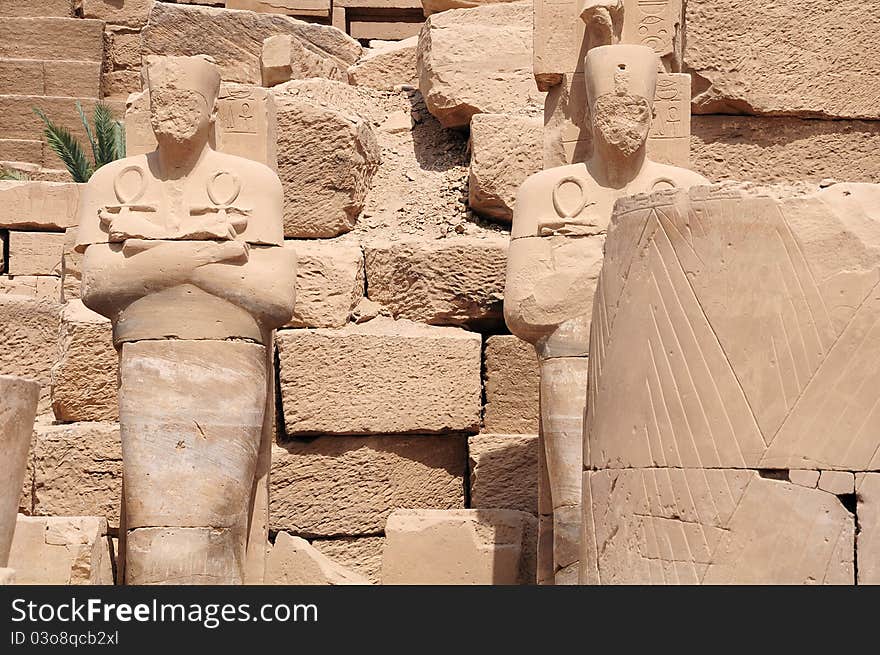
pixel 35 253
pixel 504 471
pixel 332 486
pixel 464 547
pixel 23 8
pixel 453 281
pixel 837 482
pixel 511 384
pixel 77 469
pixel 505 150
pixel 122 47
pixel 453 73
pixel 291 7
pixel 133 13
pixel 7 576
pixel 71 267
pixel 380 377
pixel 387 66
pixel 328 155
pixel 34 77
pixel 775 59
pixel 29 334
pixel 868 539
pixel 52 38
pixel 781 149
pixel 285 57
pixel 61 550
pixel 293 561
pixel 84 379
pixel 329 283
pixel 31 286
pixel 235 38
pixel 713 526
pixel 38 205
pixel 360 554
pixel 120 84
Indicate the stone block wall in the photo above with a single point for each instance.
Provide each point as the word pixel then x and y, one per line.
pixel 399 386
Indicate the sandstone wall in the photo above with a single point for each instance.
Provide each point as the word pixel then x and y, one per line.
pixel 398 384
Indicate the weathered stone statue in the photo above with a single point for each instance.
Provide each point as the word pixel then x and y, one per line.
pixel 732 425
pixel 184 253
pixel 18 407
pixel 560 218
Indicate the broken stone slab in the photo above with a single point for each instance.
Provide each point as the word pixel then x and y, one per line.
pixel 746 59
pixel 34 77
pixel 868 538
pixel 838 483
pixel 337 486
pixel 35 253
pixel 293 561
pixel 391 65
pixel 453 281
pixel 329 282
pixel 804 477
pixel 328 155
pixel 380 377
pixel 122 47
pixel 61 550
pixel 785 149
pixel 505 150
pixel 46 287
pixel 453 547
pixel 453 73
pixel 436 6
pixel 712 526
pixel 319 8
pixel 235 38
pixel 84 379
pixel 504 471
pixel 29 334
pixel 77 470
pixel 511 385
pixel 72 39
pixel 38 205
pixel 285 57
pixel 363 555
pixel 131 13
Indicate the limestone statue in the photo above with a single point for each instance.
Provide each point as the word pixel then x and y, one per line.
pixel 184 253
pixel 731 433
pixel 18 407
pixel 560 217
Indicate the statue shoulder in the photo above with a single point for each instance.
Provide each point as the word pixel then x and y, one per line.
pixel 678 177
pixel 535 197
pixel 545 181
pixel 256 174
pixel 107 174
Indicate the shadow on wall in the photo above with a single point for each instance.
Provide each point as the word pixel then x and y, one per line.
pixel 436 148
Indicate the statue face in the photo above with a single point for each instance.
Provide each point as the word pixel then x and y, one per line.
pixel 178 114
pixel 622 121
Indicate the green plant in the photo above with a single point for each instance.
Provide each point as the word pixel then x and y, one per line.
pixel 12 174
pixel 107 141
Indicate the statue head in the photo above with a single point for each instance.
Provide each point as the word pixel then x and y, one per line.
pixel 183 96
pixel 621 81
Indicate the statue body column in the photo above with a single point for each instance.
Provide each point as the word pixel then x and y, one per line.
pixel 184 253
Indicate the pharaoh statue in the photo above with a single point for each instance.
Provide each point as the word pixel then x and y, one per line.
pixel 560 219
pixel 183 251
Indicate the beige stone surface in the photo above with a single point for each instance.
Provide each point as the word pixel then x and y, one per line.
pixel 34 77
pixel 511 386
pixel 59 8
pixel 18 407
pixel 460 547
pixel 290 7
pixel 452 281
pixel 133 13
pixel 118 85
pixel 35 253
pixel 713 526
pixel 380 377
pixel 29 334
pixel 77 470
pixel 52 38
pixel 362 555
pixel 38 205
pixel 784 149
pixel 505 150
pixel 837 482
pixel 451 61
pixel 293 561
pixel 804 477
pixel 122 47
pixel 32 286
pixel 345 486
pixel 21 123
pixel 328 156
pixel 285 57
pixel 504 471
pixel 84 379
pixel 436 6
pixel 744 363
pixel 7 576
pixel 748 58
pixel 329 282
pixel 388 66
pixel 61 550
pixel 235 38
pixel 868 537
pixel 71 267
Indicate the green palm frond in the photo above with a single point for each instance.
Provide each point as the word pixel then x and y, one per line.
pixel 13 174
pixel 67 148
pixel 88 129
pixel 105 129
pixel 119 136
